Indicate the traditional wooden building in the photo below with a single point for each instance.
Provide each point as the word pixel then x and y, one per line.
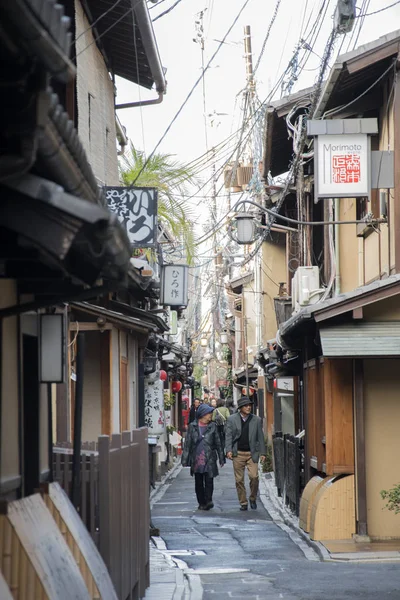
pixel 344 345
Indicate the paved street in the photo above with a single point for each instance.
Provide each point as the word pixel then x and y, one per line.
pixel 246 555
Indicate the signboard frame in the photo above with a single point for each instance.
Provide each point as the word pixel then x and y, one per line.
pixel 342 189
pixel 168 279
pixel 138 214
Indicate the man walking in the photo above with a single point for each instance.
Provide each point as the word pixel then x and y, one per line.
pixel 245 446
pixel 193 410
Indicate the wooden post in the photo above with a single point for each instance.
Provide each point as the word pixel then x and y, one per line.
pixel 104 499
pixel 50 430
pixel 76 461
pixel 361 480
pixel 141 395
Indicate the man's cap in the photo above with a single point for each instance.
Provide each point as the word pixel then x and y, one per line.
pixel 243 401
pixel 204 409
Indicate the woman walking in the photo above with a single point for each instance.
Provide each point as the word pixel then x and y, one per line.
pixel 201 450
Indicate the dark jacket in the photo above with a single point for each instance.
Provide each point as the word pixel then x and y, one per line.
pixel 212 447
pixel 233 432
pixel 192 413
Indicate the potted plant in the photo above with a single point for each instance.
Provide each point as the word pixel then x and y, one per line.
pixel 392 497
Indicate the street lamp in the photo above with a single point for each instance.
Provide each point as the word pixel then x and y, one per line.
pixel 204 342
pixel 224 337
pixel 245 228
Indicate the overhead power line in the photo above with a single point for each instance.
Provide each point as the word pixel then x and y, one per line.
pixel 267 35
pixel 191 92
pixel 167 11
pixel 378 11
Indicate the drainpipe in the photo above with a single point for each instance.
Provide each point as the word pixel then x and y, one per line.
pixel 150 47
pixel 141 103
pixel 121 136
pixel 337 249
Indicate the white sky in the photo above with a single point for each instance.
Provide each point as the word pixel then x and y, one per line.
pixel 224 80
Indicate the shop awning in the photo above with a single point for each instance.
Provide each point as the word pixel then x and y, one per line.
pixel 368 339
pixel 143 321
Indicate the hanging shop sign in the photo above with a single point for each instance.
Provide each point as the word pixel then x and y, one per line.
pixel 136 208
pixel 154 416
pixel 343 166
pixel 343 159
pixel 174 285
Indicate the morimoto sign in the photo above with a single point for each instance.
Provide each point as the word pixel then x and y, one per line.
pixel 343 166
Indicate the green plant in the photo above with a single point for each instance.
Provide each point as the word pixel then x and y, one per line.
pixel 392 497
pixel 170 429
pixel 268 462
pixel 169 400
pixel 172 180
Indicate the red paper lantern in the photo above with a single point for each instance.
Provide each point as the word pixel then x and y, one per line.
pixel 251 391
pixel 176 386
pixel 163 375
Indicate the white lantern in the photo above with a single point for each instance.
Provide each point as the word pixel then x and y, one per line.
pixel 246 228
pixel 224 337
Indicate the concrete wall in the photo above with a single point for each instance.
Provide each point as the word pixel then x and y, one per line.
pixel 95 94
pixel 9 387
pixel 274 271
pixel 385 310
pixel 249 326
pixel 382 418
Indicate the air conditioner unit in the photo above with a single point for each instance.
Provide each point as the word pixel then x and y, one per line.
pixel 305 285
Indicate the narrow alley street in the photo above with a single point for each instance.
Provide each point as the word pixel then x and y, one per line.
pixel 246 555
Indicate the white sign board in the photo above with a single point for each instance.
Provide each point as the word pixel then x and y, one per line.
pixel 154 416
pixel 174 285
pixel 285 383
pixel 343 166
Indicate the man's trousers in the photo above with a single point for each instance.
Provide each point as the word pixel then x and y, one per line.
pixel 240 462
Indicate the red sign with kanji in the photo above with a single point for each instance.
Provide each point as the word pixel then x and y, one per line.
pixel 346 168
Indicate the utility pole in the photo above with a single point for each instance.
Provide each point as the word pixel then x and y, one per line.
pixel 199 39
pixel 248 56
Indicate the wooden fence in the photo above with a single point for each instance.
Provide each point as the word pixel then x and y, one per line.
pixel 114 504
pixel 288 469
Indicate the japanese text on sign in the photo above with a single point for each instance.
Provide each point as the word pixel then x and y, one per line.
pixel 174 285
pixel 346 168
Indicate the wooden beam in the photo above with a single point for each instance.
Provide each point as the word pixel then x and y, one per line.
pixel 372 57
pixel 361 472
pixel 360 301
pixel 358 313
pixel 89 326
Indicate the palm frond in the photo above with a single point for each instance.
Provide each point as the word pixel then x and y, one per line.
pixel 172 180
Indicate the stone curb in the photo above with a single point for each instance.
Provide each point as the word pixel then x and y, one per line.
pixel 161 488
pixel 280 514
pixel 188 585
